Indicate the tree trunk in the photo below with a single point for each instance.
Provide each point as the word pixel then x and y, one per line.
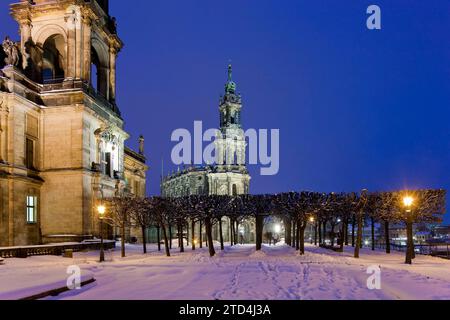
pixel 359 236
pixel 297 235
pixel 409 241
pixel 181 238
pixel 386 237
pixel 231 232
pixel 222 247
pixel 201 235
pixel 342 237
pixel 208 227
pixel 362 233
pixel 332 235
pixel 346 232
pixel 302 238
pixel 287 231
pixel 319 228
pixel 413 251
pixel 372 221
pixel 122 245
pixel 193 235
pixel 259 231
pixel 293 233
pixel 236 232
pixel 170 236
pixel 353 230
pixel 166 241
pixel 144 239
pixel 158 235
pixel 324 233
pixel 315 234
pixel 178 235
pixel 187 234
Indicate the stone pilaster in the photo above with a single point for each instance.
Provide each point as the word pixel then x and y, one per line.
pixel 4 113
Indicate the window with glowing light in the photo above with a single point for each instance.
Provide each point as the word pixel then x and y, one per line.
pixel 31 209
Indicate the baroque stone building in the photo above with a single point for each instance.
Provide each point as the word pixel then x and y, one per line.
pixel 62 137
pixel 229 174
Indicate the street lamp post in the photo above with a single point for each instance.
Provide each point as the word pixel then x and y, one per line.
pixel 101 212
pixel 408 203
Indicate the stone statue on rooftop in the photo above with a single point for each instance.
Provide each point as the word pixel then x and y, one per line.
pixel 12 52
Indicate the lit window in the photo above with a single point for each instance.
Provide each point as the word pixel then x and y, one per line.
pixel 31 209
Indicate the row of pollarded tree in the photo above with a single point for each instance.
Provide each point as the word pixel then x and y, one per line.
pixel 296 209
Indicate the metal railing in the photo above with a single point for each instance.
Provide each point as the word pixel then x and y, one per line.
pixel 67 84
pixel 441 250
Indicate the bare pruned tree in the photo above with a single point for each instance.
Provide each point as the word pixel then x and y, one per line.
pixel 141 217
pixel 119 215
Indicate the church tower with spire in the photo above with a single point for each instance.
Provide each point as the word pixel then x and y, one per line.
pixel 230 143
pixel 231 176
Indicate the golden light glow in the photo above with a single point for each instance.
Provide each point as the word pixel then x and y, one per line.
pixel 195 242
pixel 408 201
pixel 311 219
pixel 101 210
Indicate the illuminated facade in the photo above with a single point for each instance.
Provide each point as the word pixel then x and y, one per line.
pixel 62 138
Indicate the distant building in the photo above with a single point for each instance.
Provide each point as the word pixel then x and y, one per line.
pixel 229 175
pixel 422 237
pixel 441 232
pixel 397 235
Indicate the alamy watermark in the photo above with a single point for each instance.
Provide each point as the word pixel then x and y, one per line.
pixel 374 20
pixel 74 279
pixel 374 280
pixel 190 150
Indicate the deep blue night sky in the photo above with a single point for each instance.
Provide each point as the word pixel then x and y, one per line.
pixel 355 108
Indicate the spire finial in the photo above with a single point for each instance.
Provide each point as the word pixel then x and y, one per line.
pixel 230 86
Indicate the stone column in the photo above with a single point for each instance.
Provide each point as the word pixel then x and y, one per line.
pixel 71 46
pixel 87 30
pixel 112 73
pixel 79 47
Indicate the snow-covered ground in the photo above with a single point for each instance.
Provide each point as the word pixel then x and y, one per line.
pixel 237 273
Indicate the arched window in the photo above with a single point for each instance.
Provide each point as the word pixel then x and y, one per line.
pixel 99 73
pixel 234 190
pixel 53 59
